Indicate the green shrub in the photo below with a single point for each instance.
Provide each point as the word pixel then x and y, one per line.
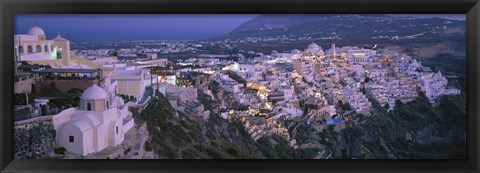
pixel 148 146
pixel 189 154
pixel 213 153
pixel 232 151
pixel 60 150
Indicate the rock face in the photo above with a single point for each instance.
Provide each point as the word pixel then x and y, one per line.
pixel 415 130
pixel 34 138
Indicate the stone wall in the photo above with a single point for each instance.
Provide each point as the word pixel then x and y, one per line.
pixel 22 112
pixel 34 138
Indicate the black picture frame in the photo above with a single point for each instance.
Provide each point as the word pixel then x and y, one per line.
pixel 8 9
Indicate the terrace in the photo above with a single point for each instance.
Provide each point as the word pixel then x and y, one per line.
pixel 70 74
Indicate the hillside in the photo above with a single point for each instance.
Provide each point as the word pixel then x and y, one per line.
pixel 414 130
pixel 180 136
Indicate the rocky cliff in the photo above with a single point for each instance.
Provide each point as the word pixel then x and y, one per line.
pixel 34 138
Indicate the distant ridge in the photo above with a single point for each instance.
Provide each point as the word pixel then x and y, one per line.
pixel 343 26
pixel 270 21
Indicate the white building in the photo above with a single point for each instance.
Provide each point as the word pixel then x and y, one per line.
pixel 34 47
pixel 288 92
pixel 377 73
pixel 152 55
pixel 358 101
pixel 227 83
pixel 230 86
pixel 101 121
pixel 434 86
pixel 246 70
pixel 105 60
pixel 130 82
pixel 156 62
pixel 361 56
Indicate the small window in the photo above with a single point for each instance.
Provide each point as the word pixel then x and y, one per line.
pixel 29 49
pixel 116 129
pixel 46 48
pixel 89 106
pixel 71 139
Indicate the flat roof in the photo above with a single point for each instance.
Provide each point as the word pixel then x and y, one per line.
pixel 63 70
pixel 35 66
pixel 46 98
pixel 137 72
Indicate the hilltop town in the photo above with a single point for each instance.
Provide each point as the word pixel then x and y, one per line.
pixel 95 103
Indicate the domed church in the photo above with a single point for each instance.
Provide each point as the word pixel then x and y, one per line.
pixel 314 49
pixel 34 47
pixel 100 121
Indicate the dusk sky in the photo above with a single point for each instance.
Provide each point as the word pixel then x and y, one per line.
pixel 131 27
pixel 111 27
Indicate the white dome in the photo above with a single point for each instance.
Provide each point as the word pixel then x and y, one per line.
pixel 313 46
pixel 36 31
pixel 94 93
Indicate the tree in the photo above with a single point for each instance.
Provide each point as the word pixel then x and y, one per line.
pixel 237 78
pixel 398 102
pixel 386 106
pixel 421 94
pixel 148 146
pixel 345 107
pixel 367 79
pixel 274 102
pixel 363 90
